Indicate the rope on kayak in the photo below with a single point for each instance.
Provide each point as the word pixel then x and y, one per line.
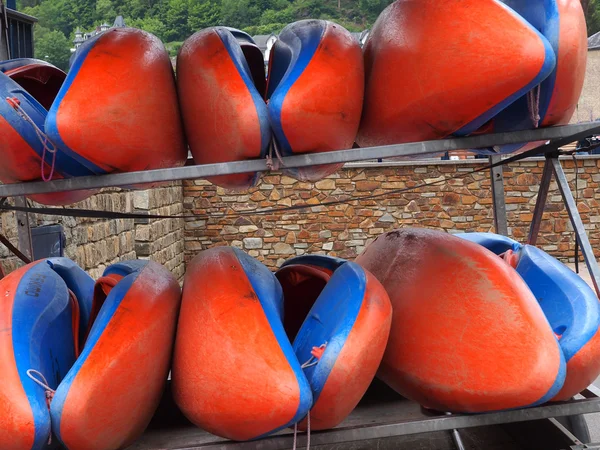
pixel 533 104
pixel 47 144
pixel 270 165
pixel 307 432
pixel 41 381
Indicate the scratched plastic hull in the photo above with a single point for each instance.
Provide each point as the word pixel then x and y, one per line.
pixel 109 395
pixel 315 91
pixel 39 323
pixel 130 125
pixel 220 81
pixel 467 334
pixel 553 102
pixel 316 288
pixel 570 305
pixel 438 67
pixel 34 84
pixel 258 385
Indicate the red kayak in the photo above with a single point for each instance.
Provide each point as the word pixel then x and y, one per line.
pixel 438 67
pixel 28 88
pixel 467 333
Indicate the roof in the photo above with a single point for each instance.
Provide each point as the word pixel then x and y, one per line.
pixel 262 39
pixel 594 42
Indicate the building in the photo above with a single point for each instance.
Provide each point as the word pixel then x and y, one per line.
pixel 265 43
pixel 588 107
pixel 20 33
pixel 81 37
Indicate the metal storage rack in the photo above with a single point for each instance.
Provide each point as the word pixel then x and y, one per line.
pixel 399 418
pixel 393 417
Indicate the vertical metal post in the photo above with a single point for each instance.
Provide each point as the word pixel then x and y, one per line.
pixel 24 229
pixel 497 177
pixel 4 46
pixel 540 204
pixel 582 237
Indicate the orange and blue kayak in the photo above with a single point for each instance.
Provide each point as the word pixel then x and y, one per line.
pixel 467 333
pixel 553 101
pixel 117 110
pixel 315 92
pixel 40 322
pixel 570 305
pixel 438 67
pixel 32 85
pixel 104 396
pixel 235 372
pixel 221 85
pixel 344 307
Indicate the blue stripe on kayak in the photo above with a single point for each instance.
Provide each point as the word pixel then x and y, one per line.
pixel 11 64
pixel 547 67
pixel 328 262
pixel 331 320
pixel 81 165
pixel 302 40
pixel 82 285
pixel 569 304
pixel 42 339
pixel 239 60
pixel 270 295
pixel 130 270
pixel 496 243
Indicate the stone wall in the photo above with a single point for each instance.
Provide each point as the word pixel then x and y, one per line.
pixel 96 243
pixel 455 199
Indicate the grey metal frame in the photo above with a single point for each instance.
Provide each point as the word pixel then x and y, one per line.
pixel 413 149
pixel 557 136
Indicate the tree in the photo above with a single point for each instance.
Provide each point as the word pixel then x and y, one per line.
pixel 151 25
pixel 591 9
pixel 52 46
pixel 104 11
pixel 203 14
pixel 176 20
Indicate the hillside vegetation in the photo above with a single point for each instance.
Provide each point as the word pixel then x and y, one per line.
pixel 174 20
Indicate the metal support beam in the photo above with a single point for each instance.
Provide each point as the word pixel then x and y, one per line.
pixel 540 204
pixel 24 229
pixel 580 233
pixel 558 135
pixel 497 178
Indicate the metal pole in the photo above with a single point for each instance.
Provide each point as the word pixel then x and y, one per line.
pixel 24 229
pixel 497 178
pixel 540 204
pixel 582 238
pixel 4 46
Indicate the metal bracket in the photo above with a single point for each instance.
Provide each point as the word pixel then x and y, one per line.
pixel 497 179
pixel 24 229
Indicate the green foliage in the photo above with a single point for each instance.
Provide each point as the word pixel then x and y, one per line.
pixel 174 20
pixel 203 14
pixel 52 46
pixel 591 9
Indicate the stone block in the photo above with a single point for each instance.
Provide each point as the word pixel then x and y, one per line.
pixel 253 243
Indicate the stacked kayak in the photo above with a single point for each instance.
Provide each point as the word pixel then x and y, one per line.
pixel 569 304
pixel 467 332
pixel 438 67
pixel 235 372
pixel 94 125
pixel 312 100
pixel 83 361
pixel 553 101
